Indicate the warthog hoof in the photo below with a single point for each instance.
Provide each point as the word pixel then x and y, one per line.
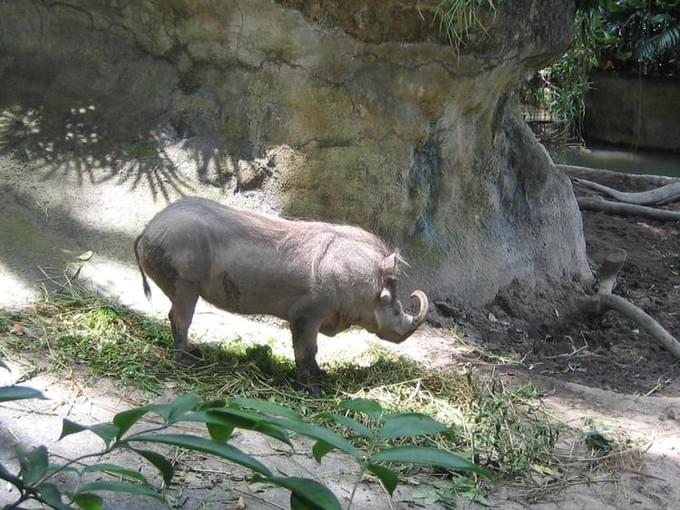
pixel 187 359
pixel 310 381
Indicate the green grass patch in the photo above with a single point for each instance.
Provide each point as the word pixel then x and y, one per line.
pixel 142 149
pixel 501 428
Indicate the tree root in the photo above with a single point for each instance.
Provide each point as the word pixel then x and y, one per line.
pixel 604 300
pixel 584 172
pixel 595 204
pixel 667 193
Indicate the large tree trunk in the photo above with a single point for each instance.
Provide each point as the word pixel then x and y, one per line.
pixel 357 111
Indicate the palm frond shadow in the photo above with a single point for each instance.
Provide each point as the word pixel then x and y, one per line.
pixel 79 141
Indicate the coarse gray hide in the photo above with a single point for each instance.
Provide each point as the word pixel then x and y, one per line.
pixel 317 276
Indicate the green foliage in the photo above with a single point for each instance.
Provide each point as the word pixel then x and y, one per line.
pixel 35 480
pixel 401 404
pixel 8 393
pixel 632 36
pixel 498 427
pixel 462 19
pixel 597 441
pixel 639 36
pixel 563 86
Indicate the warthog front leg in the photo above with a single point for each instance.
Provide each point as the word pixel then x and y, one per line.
pixel 309 374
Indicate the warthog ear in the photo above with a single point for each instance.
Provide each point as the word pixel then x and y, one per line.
pixel 388 266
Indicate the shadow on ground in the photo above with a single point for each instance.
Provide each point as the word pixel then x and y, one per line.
pixel 32 239
pixel 80 139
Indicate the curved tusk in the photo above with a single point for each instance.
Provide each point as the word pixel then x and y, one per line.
pixel 422 311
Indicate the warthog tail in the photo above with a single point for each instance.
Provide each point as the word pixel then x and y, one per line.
pixel 147 289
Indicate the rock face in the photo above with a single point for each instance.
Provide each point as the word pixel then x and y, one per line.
pixel 361 113
pixel 639 112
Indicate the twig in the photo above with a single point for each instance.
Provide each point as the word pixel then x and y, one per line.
pixel 258 498
pixel 639 473
pixel 49 278
pixel 567 354
pixel 658 386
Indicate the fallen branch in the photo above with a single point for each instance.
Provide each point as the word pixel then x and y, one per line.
pixel 596 204
pixel 604 300
pixel 584 172
pixel 667 193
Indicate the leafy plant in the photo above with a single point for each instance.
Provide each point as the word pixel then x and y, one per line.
pixel 643 36
pixel 498 426
pixel 36 477
pixel 633 36
pixel 563 86
pixel 460 19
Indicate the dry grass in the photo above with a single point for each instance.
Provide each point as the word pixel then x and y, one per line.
pixel 504 429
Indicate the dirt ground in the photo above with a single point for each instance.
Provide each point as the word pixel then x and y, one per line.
pixel 625 358
pixel 610 351
pixel 590 371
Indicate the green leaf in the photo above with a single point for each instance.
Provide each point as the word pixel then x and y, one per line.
pixel 299 503
pixel 126 487
pixel 219 432
pixel 114 469
pixel 319 433
pixel 69 427
pixel 307 492
pixel 86 255
pixel 243 420
pixel 52 468
pixel 212 404
pixel 429 495
pixel 160 462
pixel 175 410
pixel 266 407
pixel 128 418
pixel 51 494
pixel 427 457
pixel 89 501
pixel 33 465
pixel 362 405
pixel 542 470
pixel 8 393
pixel 409 425
pixel 106 431
pixel 9 477
pixel 387 476
pixel 320 449
pixel 597 441
pixel 350 423
pixel 200 444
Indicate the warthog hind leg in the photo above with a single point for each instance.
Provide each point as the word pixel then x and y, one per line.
pixel 181 315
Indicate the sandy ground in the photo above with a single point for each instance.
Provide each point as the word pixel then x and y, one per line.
pixel 51 211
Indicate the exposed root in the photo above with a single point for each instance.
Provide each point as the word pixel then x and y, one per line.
pixel 604 300
pixel 584 172
pixel 667 193
pixel 595 204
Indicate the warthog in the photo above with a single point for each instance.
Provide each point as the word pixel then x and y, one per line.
pixel 317 276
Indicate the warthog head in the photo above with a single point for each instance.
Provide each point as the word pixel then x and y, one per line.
pixel 390 322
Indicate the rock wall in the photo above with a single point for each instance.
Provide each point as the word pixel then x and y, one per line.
pixel 638 112
pixel 356 113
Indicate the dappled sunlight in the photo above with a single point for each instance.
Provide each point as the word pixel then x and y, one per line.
pixel 79 143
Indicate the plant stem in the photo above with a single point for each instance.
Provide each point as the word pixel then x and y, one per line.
pixel 356 485
pixel 76 460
